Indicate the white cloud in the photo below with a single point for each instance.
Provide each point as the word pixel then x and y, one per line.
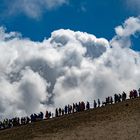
pixel 32 8
pixel 123 33
pixel 68 67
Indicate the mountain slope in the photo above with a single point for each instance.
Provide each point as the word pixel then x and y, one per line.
pixel 119 121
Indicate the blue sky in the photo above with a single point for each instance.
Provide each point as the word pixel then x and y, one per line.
pixel 98 17
pixel 70 66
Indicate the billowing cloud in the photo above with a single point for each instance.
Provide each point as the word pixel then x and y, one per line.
pixel 32 8
pixel 123 33
pixel 65 68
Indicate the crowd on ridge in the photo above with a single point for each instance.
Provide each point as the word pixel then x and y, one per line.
pixel 68 109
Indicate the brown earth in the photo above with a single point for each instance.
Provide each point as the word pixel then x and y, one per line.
pixel 119 121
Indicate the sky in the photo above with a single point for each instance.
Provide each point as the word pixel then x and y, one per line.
pixel 58 52
pixel 37 21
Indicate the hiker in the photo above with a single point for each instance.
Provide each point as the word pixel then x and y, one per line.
pixel 116 98
pixel 32 118
pixel 1 125
pixel 99 102
pixel 87 106
pixel 56 112
pixel 95 104
pixel 135 93
pixel 107 100
pixel 82 106
pixel 119 98
pixel 73 108
pixel 123 96
pixel 27 120
pixel 139 92
pixel 131 95
pixel 22 120
pixel 41 115
pixel 77 107
pixel 111 100
pixel 66 109
pixel 62 112
pixel 59 111
pixel 47 115
pixel 50 114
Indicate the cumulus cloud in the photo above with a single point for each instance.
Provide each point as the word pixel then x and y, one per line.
pixel 123 33
pixel 32 8
pixel 68 67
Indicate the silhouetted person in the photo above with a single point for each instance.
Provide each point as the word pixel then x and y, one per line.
pixel 41 115
pixel 47 115
pixel 50 114
pixel 139 92
pixel 87 106
pixel 56 112
pixel 116 97
pixel 74 108
pixel 66 109
pixel 99 102
pixel 123 96
pixel 59 111
pixel 131 95
pixel 135 93
pixel 111 100
pixel 95 104
pixel 62 112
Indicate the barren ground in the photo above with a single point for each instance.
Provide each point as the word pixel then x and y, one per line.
pixel 119 121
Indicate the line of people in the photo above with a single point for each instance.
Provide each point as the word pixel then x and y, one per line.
pixel 68 109
pixel 9 123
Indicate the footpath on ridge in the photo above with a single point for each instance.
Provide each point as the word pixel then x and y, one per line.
pixel 120 121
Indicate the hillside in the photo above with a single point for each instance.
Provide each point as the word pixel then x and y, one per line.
pixel 119 121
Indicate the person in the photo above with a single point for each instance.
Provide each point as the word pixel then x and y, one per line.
pixel 139 92
pixel 66 109
pixel 123 96
pixel 131 95
pixel 1 126
pixel 41 115
pixel 77 107
pixel 95 104
pixel 99 102
pixel 50 114
pixel 47 115
pixel 111 100
pixel 115 98
pixel 82 107
pixel 60 111
pixel 27 120
pixel 119 97
pixel 107 100
pixel 73 108
pixel 135 93
pixel 56 112
pixel 32 118
pixel 87 106
pixel 22 120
